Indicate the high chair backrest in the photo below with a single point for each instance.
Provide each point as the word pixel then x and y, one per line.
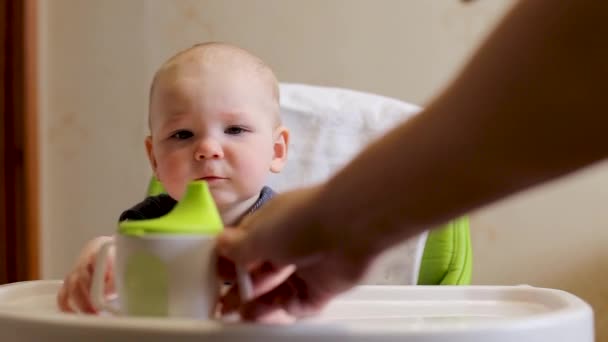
pixel 329 126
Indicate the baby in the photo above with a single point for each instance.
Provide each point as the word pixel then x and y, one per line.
pixel 213 116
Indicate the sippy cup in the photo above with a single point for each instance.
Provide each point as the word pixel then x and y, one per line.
pixel 166 266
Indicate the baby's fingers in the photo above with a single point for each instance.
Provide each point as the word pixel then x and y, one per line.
pixel 63 301
pixel 82 298
pixel 74 296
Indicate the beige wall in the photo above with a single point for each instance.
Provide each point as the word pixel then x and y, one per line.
pixel 97 58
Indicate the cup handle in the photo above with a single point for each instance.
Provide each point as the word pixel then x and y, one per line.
pixel 98 281
pixel 245 285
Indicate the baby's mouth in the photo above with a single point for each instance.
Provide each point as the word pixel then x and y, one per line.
pixel 210 179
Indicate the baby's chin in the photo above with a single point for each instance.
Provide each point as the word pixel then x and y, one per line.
pixel 225 202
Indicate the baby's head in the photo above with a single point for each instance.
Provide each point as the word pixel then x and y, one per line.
pixel 214 115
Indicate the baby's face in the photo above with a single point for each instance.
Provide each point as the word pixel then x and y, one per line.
pixel 217 125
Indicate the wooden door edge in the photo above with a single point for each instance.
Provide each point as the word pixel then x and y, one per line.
pixel 31 158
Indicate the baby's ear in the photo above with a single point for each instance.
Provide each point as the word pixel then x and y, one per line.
pixel 281 143
pixel 151 157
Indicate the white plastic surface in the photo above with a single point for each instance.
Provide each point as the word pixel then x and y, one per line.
pixel 368 313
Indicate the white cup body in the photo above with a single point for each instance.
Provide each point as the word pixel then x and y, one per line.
pixel 162 275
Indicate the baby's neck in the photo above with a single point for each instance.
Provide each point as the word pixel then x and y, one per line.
pixel 232 214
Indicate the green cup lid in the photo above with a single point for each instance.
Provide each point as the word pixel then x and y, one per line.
pixel 195 213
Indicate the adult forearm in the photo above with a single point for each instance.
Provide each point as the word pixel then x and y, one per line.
pixel 527 108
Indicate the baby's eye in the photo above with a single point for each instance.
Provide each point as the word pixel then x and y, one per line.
pixel 234 130
pixel 182 135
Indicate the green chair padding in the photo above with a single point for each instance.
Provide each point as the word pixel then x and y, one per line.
pixel 154 187
pixel 447 258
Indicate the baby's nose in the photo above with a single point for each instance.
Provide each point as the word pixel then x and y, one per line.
pixel 209 149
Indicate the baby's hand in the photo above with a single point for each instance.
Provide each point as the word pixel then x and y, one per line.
pixel 74 295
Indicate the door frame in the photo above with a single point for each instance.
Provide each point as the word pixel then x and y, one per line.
pixel 19 173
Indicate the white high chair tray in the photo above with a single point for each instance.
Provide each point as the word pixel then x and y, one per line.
pixel 367 313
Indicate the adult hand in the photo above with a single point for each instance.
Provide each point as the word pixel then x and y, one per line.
pixel 296 260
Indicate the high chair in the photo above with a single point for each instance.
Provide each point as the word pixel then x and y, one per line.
pixel 328 127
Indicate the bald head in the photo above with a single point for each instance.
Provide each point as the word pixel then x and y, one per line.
pixel 217 57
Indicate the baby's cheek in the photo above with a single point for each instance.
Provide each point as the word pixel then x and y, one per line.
pixel 173 176
pixel 253 172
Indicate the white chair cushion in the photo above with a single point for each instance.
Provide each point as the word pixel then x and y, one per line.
pixel 329 126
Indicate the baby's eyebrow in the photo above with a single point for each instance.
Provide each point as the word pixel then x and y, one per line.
pixel 231 116
pixel 169 118
pixel 176 115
